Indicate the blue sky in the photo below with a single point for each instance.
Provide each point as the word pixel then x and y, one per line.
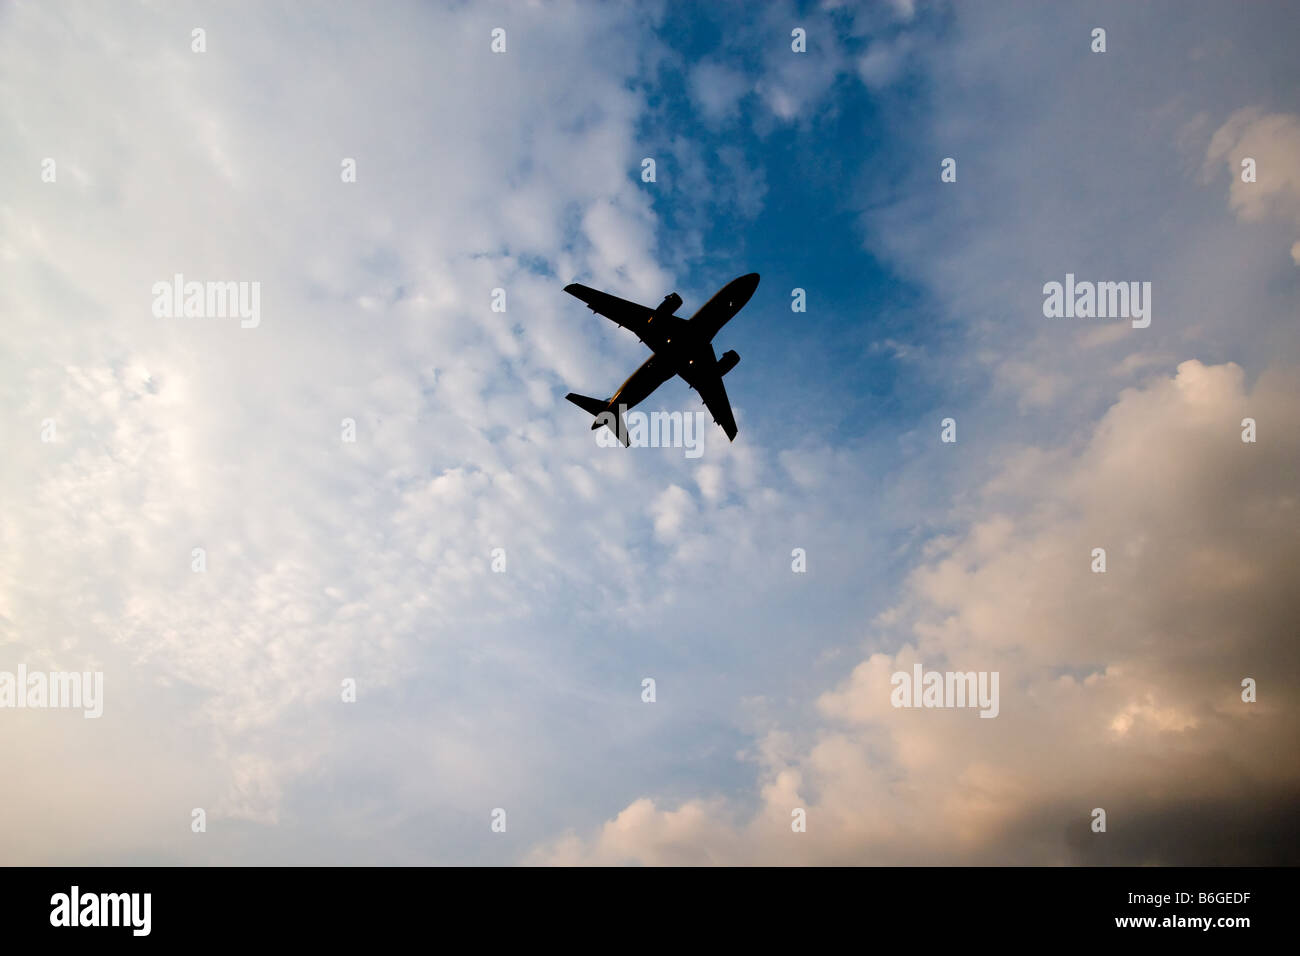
pixel 371 560
pixel 802 230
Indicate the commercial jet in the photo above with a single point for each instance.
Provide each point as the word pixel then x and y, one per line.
pixel 680 347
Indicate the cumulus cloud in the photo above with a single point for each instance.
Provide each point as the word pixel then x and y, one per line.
pixel 373 559
pixel 1119 690
pixel 1272 142
pixel 324 559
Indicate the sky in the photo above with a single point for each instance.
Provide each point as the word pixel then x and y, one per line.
pixel 499 714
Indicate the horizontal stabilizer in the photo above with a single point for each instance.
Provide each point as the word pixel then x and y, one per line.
pixel 604 415
pixel 592 406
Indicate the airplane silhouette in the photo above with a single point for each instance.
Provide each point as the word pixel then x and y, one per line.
pixel 681 347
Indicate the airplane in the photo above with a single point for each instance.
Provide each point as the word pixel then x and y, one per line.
pixel 681 347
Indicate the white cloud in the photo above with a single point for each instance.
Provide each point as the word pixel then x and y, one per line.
pixel 1273 142
pixel 325 559
pixel 717 89
pixel 884 61
pixel 1113 687
pixel 372 560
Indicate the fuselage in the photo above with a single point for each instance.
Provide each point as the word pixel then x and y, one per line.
pixel 682 344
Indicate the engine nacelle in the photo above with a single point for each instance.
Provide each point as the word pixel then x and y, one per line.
pixel 669 305
pixel 728 361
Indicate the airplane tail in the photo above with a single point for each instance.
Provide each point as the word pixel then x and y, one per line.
pixel 604 415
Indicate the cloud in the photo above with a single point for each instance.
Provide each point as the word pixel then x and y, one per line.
pixel 1119 690
pixel 795 86
pixel 373 559
pixel 370 560
pixel 324 559
pixel 1273 142
pixel 717 89
pixel 644 834
pixel 884 61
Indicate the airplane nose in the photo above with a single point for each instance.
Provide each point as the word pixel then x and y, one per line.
pixel 744 288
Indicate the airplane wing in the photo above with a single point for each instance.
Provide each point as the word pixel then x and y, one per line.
pixel 630 315
pixel 714 394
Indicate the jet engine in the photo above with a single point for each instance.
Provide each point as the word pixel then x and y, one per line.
pixel 728 361
pixel 669 305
